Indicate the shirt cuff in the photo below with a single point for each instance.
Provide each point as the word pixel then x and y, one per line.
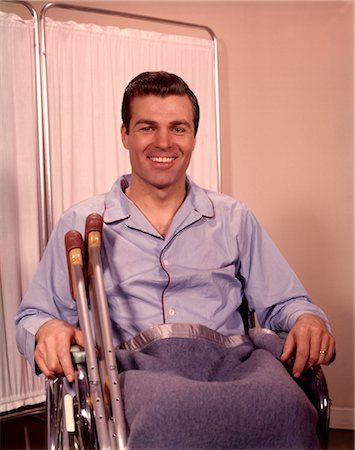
pixel 26 337
pixel 310 309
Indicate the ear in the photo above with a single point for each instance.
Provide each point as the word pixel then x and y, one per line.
pixel 124 136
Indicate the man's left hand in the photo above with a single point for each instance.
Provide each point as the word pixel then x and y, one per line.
pixel 311 342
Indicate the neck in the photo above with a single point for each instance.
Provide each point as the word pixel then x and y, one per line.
pixel 159 206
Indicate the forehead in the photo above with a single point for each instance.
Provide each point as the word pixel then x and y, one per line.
pixel 154 107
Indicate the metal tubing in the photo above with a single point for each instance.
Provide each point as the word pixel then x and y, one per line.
pixel 85 422
pixel 218 118
pixel 47 171
pixel 42 209
pixel 94 246
pixel 54 389
pixel 43 225
pixel 76 266
pixel 124 14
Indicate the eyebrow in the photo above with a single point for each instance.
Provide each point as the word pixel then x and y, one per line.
pixel 153 122
pixel 181 122
pixel 145 121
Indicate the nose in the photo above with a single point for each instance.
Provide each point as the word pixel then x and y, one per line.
pixel 162 138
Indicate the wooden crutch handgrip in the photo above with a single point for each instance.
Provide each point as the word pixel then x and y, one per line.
pixel 74 246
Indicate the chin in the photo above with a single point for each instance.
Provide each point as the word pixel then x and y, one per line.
pixel 165 183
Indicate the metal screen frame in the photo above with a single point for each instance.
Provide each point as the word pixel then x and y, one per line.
pixel 41 188
pixel 46 188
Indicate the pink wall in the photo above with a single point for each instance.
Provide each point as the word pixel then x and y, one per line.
pixel 288 128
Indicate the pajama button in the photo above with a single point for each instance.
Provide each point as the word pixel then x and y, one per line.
pixel 172 312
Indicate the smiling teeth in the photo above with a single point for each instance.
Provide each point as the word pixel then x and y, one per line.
pixel 161 159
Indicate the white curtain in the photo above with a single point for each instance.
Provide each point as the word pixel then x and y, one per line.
pixel 88 68
pixel 19 254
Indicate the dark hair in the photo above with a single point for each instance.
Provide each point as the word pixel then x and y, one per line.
pixel 161 84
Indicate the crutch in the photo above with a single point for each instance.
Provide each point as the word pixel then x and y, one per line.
pixel 103 330
pixel 75 255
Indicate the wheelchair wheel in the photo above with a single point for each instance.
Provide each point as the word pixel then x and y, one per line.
pixel 70 420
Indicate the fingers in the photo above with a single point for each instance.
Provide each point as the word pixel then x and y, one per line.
pixel 311 343
pixel 289 348
pixel 326 351
pixel 52 353
pixel 78 337
pixel 298 345
pixel 64 358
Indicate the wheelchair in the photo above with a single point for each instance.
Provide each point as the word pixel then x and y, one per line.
pixel 88 413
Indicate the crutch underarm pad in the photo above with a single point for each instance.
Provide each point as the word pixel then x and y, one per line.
pixel 93 223
pixel 73 240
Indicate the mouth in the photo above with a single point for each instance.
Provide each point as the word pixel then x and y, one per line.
pixel 162 159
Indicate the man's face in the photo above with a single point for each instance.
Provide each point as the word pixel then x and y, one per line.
pixel 160 140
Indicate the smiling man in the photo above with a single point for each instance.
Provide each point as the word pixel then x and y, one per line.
pixel 160 137
pixel 177 261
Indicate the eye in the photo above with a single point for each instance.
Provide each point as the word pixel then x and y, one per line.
pixel 179 129
pixel 146 128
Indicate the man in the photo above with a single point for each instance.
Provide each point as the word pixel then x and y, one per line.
pixel 173 253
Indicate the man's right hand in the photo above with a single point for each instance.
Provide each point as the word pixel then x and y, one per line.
pixel 52 354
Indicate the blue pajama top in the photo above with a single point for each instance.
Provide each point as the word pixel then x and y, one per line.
pixel 214 253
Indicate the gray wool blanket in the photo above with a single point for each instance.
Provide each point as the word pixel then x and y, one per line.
pixel 197 390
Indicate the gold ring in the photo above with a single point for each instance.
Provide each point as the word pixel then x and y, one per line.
pixel 323 352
